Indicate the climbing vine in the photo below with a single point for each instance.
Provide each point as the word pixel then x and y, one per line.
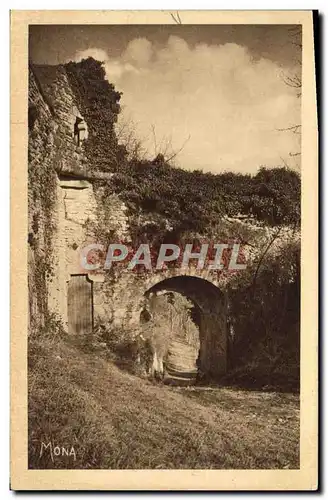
pixel 43 148
pixel 98 101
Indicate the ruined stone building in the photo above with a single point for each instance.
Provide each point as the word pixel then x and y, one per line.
pixel 66 142
pixel 63 206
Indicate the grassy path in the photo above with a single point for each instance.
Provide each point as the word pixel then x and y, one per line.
pixel 117 420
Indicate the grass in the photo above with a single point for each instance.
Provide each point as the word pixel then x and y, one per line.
pixel 116 420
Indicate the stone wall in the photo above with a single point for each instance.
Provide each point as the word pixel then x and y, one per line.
pixel 66 209
pixel 52 152
pixel 78 213
pixel 69 157
pixel 41 199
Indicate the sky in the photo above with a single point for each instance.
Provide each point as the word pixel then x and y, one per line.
pixel 215 94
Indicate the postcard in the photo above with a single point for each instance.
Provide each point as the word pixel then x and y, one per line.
pixel 164 250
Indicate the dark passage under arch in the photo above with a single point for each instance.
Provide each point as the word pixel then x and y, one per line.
pixel 210 312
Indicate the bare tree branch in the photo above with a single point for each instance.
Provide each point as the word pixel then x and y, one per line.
pixel 176 18
pixel 154 139
pixel 295 154
pixel 284 162
pixel 294 81
pixel 126 131
pixel 164 147
pixel 272 240
pixel 293 128
pixel 179 150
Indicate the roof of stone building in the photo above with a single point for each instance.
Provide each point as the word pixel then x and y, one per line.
pixel 43 76
pixel 55 90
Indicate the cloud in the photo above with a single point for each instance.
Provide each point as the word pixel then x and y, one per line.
pixel 230 105
pixel 138 52
pixel 98 54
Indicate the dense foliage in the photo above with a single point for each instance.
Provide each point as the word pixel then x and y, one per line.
pixel 265 324
pixel 168 204
pixel 194 200
pixel 98 101
pixel 189 200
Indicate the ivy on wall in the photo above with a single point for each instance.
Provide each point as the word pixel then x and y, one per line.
pixel 165 204
pixel 42 181
pixel 188 201
pixel 98 102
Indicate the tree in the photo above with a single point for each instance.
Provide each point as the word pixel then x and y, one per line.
pixel 294 80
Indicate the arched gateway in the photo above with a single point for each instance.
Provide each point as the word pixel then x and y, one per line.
pixel 212 319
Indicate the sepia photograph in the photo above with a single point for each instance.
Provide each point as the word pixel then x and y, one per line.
pixel 164 187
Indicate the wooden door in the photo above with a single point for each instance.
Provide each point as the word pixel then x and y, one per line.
pixel 80 305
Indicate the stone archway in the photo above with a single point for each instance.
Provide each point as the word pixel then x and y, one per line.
pixel 212 321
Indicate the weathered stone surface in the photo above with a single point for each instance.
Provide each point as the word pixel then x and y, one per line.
pixel 59 234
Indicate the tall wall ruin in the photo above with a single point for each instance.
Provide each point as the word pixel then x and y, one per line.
pixel 64 209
